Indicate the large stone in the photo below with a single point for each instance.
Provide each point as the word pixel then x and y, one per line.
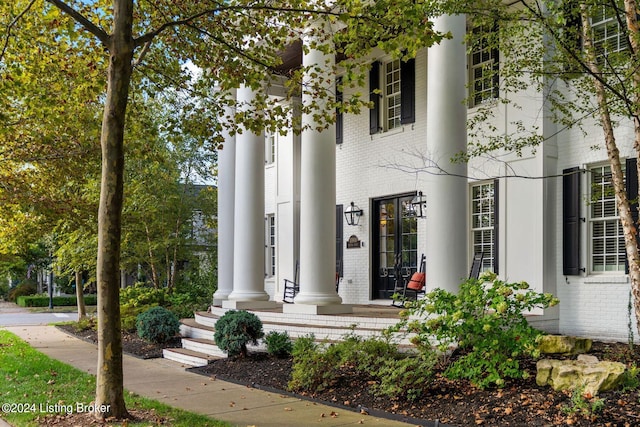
pixel 564 345
pixel 587 372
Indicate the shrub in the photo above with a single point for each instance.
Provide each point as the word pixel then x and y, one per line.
pixel 236 329
pixel 4 289
pixel 408 377
pixel 485 320
pixel 137 299
pixel 85 324
pixel 316 368
pixel 26 287
pixel 278 344
pixel 157 325
pixel 43 301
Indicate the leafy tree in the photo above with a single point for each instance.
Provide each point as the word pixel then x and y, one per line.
pixel 236 42
pixel 549 45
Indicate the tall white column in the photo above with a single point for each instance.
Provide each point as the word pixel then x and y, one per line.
pixel 248 246
pixel 226 201
pixel 317 198
pixel 447 224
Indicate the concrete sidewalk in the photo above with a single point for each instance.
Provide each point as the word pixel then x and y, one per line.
pixel 168 382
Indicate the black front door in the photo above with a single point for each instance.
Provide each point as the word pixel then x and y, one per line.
pixel 395 237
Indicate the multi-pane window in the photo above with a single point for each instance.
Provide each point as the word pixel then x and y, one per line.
pixel 484 68
pixel 607 238
pixel 483 223
pixel 270 149
pixel 392 95
pixel 608 35
pixel 271 245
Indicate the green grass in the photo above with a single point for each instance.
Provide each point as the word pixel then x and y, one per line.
pixel 28 377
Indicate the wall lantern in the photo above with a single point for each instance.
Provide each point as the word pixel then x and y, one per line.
pixel 419 205
pixel 353 214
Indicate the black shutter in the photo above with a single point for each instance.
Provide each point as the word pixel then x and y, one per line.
pixel 339 238
pixel 496 224
pixel 339 118
pixel 571 222
pixel 631 180
pixel 408 91
pixel 374 98
pixel 632 186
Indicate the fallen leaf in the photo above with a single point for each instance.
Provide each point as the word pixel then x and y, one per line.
pixel 508 410
pixel 288 409
pixel 333 414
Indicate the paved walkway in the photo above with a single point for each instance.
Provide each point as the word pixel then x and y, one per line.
pixel 168 382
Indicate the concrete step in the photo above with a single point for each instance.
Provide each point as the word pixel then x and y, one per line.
pixel 276 316
pixel 192 329
pixel 188 357
pixel 321 329
pixel 204 346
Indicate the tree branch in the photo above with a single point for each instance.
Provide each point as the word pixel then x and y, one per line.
pixel 82 20
pixel 11 24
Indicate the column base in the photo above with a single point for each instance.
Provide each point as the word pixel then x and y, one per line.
pixel 317 309
pixel 248 305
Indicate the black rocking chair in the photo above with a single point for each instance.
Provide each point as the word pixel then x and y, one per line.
pixel 291 288
pixel 412 288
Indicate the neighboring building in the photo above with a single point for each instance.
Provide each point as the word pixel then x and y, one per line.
pixel 418 123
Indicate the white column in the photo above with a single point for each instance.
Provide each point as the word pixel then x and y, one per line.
pixel 248 246
pixel 317 199
pixel 447 224
pixel 226 200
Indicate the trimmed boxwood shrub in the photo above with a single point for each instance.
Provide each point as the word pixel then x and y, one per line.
pixel 235 329
pixel 278 344
pixel 43 301
pixel 157 325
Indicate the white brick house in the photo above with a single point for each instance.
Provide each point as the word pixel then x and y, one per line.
pixel 515 210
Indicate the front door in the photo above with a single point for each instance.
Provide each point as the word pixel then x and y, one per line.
pixel 395 255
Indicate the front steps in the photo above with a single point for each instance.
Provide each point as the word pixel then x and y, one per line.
pixel 198 347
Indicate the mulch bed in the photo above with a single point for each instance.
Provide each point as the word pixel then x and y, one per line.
pixel 132 344
pixel 455 403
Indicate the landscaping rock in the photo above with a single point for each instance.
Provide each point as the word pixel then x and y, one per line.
pixel 587 373
pixel 563 345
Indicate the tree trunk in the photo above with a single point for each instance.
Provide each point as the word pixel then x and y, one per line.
pixel 152 261
pixel 634 264
pixel 617 176
pixel 109 382
pixel 82 311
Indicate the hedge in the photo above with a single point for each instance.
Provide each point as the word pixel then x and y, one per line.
pixel 43 301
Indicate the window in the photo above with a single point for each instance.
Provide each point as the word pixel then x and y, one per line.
pixel 271 246
pixel 608 36
pixel 484 69
pixel 392 99
pixel 392 94
pixel 270 149
pixel 483 223
pixel 605 229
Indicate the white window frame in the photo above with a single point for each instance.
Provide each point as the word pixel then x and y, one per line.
pixel 391 95
pixel 483 222
pixel 605 29
pixel 270 149
pixel 270 245
pixel 484 62
pixel 606 238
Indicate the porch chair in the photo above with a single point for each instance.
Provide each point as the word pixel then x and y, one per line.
pixel 291 288
pixel 476 265
pixel 414 287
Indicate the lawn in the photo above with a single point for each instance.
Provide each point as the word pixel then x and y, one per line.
pixel 34 386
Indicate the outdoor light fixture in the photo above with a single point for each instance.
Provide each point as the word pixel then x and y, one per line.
pixel 419 205
pixel 353 214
